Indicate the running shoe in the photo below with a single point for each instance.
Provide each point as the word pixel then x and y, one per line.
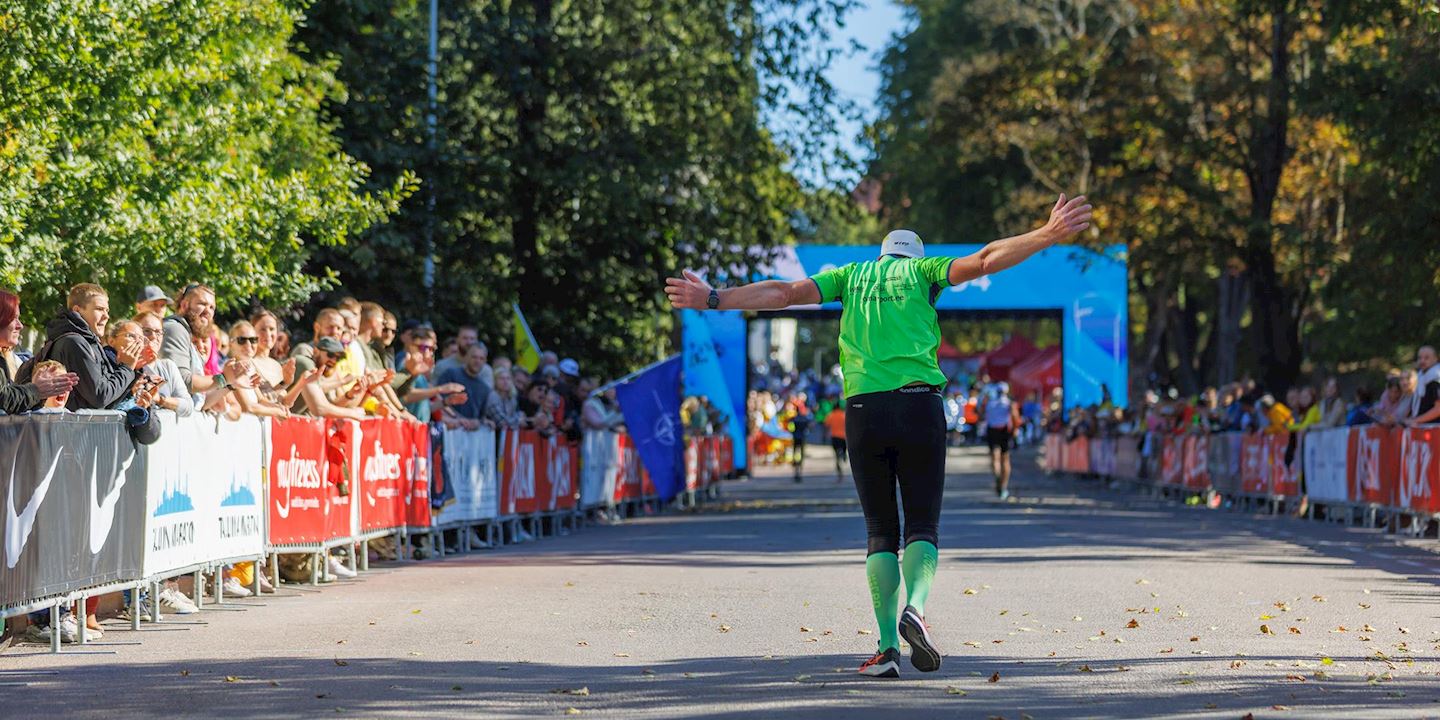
pixel 335 567
pixel 883 665
pixel 233 588
pixel 1004 495
pixel 175 602
pixel 923 653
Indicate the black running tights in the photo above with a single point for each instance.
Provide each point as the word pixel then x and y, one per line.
pixel 898 438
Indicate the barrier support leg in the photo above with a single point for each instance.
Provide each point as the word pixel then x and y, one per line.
pixel 438 538
pixel 354 566
pixel 55 628
pixel 198 587
pixel 82 619
pixel 364 559
pixel 315 561
pixel 274 568
pixel 154 605
pixel 217 587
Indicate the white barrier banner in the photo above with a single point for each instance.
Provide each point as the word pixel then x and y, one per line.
pixel 1325 466
pixel 599 466
pixel 205 484
pixel 469 457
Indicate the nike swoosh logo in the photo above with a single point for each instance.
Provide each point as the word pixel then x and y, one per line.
pixel 18 527
pixel 102 514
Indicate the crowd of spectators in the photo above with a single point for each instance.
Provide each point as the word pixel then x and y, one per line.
pixel 171 355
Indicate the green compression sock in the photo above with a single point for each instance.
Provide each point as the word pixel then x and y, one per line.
pixel 883 571
pixel 920 560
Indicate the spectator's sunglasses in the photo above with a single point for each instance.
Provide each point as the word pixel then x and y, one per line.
pixel 425 348
pixel 252 340
pixel 186 292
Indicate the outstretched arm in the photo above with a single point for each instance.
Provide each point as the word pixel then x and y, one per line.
pixel 692 293
pixel 1067 218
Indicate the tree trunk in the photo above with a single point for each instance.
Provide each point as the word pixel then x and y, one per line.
pixel 1232 297
pixel 1276 329
pixel 530 94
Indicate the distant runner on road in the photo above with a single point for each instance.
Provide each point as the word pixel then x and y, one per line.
pixel 895 420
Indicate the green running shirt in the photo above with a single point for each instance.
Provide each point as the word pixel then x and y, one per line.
pixel 889 335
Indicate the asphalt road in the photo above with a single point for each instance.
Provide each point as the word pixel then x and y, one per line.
pixel 1073 601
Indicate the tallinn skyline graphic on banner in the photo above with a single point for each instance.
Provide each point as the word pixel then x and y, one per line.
pixel 174 500
pixel 239 495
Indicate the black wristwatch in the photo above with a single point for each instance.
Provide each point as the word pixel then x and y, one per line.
pixel 714 302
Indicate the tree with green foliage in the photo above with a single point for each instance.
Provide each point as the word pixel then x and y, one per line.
pixel 157 143
pixel 582 152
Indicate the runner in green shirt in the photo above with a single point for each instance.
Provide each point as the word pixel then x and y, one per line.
pixel 895 420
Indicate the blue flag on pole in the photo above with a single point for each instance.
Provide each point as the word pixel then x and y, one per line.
pixel 650 402
pixel 705 376
pixel 727 334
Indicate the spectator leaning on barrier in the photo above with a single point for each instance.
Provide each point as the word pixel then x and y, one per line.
pixel 279 376
pixel 502 408
pixel 1332 406
pixel 1425 407
pixel 1393 407
pixel 464 339
pixel 195 311
pixel 265 400
pixel 173 394
pixel 72 338
pixel 1360 413
pixel 599 411
pixel 314 397
pixel 19 397
pixel 469 376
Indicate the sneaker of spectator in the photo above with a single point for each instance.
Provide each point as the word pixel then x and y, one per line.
pixel 339 569
pixel 232 588
pixel 69 631
pixel 173 601
pixel 152 299
pixel 143 607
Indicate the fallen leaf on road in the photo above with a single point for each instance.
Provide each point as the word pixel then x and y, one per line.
pixel 231 678
pixel 1187 681
pixel 1265 630
pixel 995 678
pixel 1142 582
pixel 1368 628
pixel 322 696
pixel 1211 706
pixel 582 643
pixel 814 640
pixel 622 654
pixel 1133 624
pixel 952 690
pixel 456 688
pixel 1365 590
pixel 1086 668
pixel 1318 598
pixel 689 675
pixel 828 632
pixel 996 642
pixel 372 622
pixel 1004 612
pixel 1077 618
pixel 1167 651
pixel 1404 631
pixel 412 612
pixel 1267 617
pixel 1300 678
pixel 1321 675
pixel 1326 661
pixel 1364 606
pixel 184 673
pixel 972 643
pixel 583 691
pixel 1237 664
pixel 1279 707
pixel 1294 631
pixel 274 684
pixel 415 654
pixel 647 671
pixel 572 711
pixel 864 632
pixel 801 678
pixel 341 663
pixel 969 591
pixel 569 584
pixel 724 628
pixel 804 629
pixel 1364 638
pixel 339 642
pixel 1194 638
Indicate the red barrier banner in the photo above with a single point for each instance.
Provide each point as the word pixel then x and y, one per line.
pixel 693 465
pixel 384 446
pixel 1375 453
pixel 714 462
pixel 1172 461
pixel 562 473
pixel 417 469
pixel 1254 464
pixel 300 496
pixel 629 478
pixel 1418 487
pixel 1284 477
pixel 1197 462
pixel 520 484
pixel 1077 455
pixel 727 455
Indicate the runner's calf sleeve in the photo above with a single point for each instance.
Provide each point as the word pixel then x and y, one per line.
pixel 921 559
pixel 883 572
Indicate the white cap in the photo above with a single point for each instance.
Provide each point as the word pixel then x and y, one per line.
pixel 903 242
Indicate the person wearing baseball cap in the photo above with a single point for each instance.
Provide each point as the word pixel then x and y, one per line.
pixel 895 417
pixel 152 299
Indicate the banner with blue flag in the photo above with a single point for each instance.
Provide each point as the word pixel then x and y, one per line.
pixel 705 376
pixel 727 334
pixel 650 401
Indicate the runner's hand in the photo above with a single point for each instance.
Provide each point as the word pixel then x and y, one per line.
pixel 688 293
pixel 1068 218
